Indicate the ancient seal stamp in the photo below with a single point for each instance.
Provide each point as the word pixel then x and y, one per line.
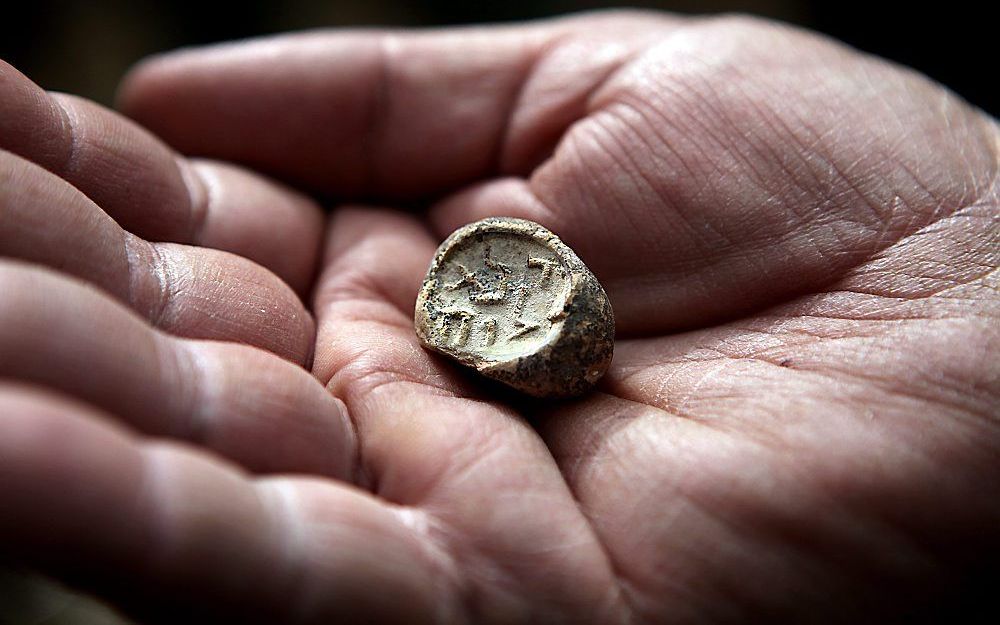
pixel 508 298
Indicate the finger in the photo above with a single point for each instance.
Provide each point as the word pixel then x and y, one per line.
pixel 387 113
pixel 170 534
pixel 428 440
pixel 188 291
pixel 259 410
pixel 149 189
pixel 695 203
pixel 260 220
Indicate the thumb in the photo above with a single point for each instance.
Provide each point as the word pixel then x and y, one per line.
pixel 396 114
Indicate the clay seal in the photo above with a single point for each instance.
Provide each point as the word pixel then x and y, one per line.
pixel 507 298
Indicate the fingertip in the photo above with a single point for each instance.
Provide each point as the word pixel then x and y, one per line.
pixel 155 76
pixel 267 414
pixel 208 294
pixel 139 82
pixel 376 261
pixel 170 94
pixel 260 219
pixel 375 253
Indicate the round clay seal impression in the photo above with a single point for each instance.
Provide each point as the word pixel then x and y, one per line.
pixel 506 297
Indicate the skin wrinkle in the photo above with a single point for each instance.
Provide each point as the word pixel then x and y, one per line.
pixel 459 472
pixel 277 498
pixel 897 207
pixel 202 194
pixel 372 380
pixel 516 101
pixel 71 131
pixel 830 371
pixel 535 71
pixel 360 475
pixel 188 363
pixel 620 600
pixel 717 260
pixel 136 270
pixel 163 278
pixel 938 201
pixel 432 539
pixel 623 590
pixel 626 163
pixel 705 111
pixel 645 113
pixel 776 123
pixel 153 496
pixel 887 263
pixel 938 292
pixel 630 590
pixel 662 395
pixel 706 97
pixel 533 74
pixel 621 157
pixel 582 174
pixel 742 426
pixel 612 75
pixel 366 476
pixel 511 101
pixel 894 388
pixel 389 46
pixel 685 399
pixel 362 310
pixel 567 132
pixel 131 174
pixel 618 391
pixel 365 361
pixel 779 536
pixel 660 193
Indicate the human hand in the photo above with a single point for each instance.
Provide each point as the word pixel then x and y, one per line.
pixel 800 245
pixel 80 187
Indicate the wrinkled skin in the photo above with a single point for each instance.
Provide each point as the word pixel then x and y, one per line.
pixel 800 243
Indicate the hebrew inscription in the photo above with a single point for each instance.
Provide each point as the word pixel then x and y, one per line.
pixel 499 295
pixel 507 297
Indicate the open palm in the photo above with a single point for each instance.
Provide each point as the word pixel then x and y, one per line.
pixel 800 244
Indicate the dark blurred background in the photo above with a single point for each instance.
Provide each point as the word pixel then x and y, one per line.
pixel 84 47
